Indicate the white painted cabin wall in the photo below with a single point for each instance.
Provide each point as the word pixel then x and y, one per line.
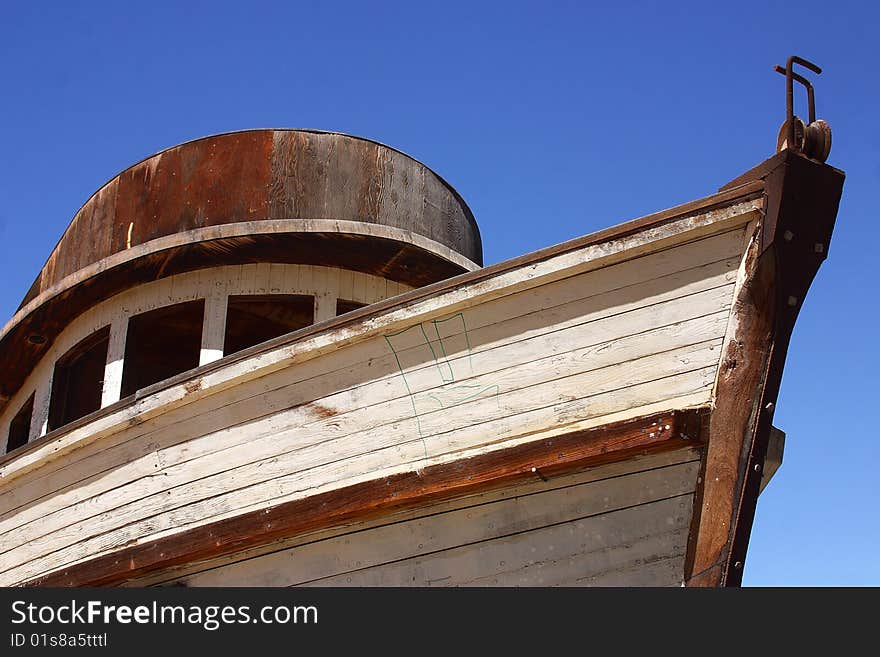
pixel 214 285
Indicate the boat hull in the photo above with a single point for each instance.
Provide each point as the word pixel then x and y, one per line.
pixel 548 420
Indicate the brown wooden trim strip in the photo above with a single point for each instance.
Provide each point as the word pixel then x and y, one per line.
pixel 549 457
pixel 793 240
pixel 742 371
pixel 762 170
pixel 807 197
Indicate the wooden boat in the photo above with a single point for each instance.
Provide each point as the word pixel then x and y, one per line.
pixel 273 358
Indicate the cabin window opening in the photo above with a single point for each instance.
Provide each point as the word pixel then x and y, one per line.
pixel 252 319
pixel 343 306
pixel 162 343
pixel 20 428
pixel 78 381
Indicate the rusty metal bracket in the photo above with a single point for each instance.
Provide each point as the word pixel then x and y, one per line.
pixel 789 91
pixel 813 138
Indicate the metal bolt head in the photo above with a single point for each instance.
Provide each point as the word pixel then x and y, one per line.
pixel 757 467
pixel 792 301
pixel 819 247
pixel 738 565
pixel 788 236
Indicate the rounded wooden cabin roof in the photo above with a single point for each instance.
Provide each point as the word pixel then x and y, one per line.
pixel 296 196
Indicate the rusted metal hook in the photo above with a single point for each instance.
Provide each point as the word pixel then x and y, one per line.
pixel 790 76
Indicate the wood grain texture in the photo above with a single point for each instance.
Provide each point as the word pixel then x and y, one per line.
pixel 573 358
pixel 48 312
pixel 133 462
pixel 566 532
pixel 610 548
pixel 552 457
pixel 500 354
pixel 238 567
pixel 746 354
pixel 784 255
pixel 630 328
pixel 452 297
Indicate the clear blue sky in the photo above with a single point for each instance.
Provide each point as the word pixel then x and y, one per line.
pixel 553 119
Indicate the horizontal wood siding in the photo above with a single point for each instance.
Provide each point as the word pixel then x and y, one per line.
pixel 569 352
pixel 608 526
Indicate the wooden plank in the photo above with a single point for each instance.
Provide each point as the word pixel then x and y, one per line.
pixel 441 531
pixel 560 454
pixel 531 309
pixel 40 418
pixel 272 446
pixel 261 278
pixel 277 278
pixel 346 285
pixel 248 279
pixel 128 457
pixel 329 473
pixel 112 388
pixel 643 571
pixel 607 280
pixel 312 466
pixel 574 413
pixel 214 325
pixel 564 552
pixel 231 281
pixel 46 525
pixel 358 411
pixel 374 289
pixel 359 288
pixel 326 296
pixel 636 464
pixel 244 365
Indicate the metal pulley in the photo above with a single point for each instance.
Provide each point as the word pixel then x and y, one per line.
pixel 813 139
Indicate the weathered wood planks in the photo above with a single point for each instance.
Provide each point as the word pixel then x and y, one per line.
pixel 573 530
pixel 610 333
pixel 275 551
